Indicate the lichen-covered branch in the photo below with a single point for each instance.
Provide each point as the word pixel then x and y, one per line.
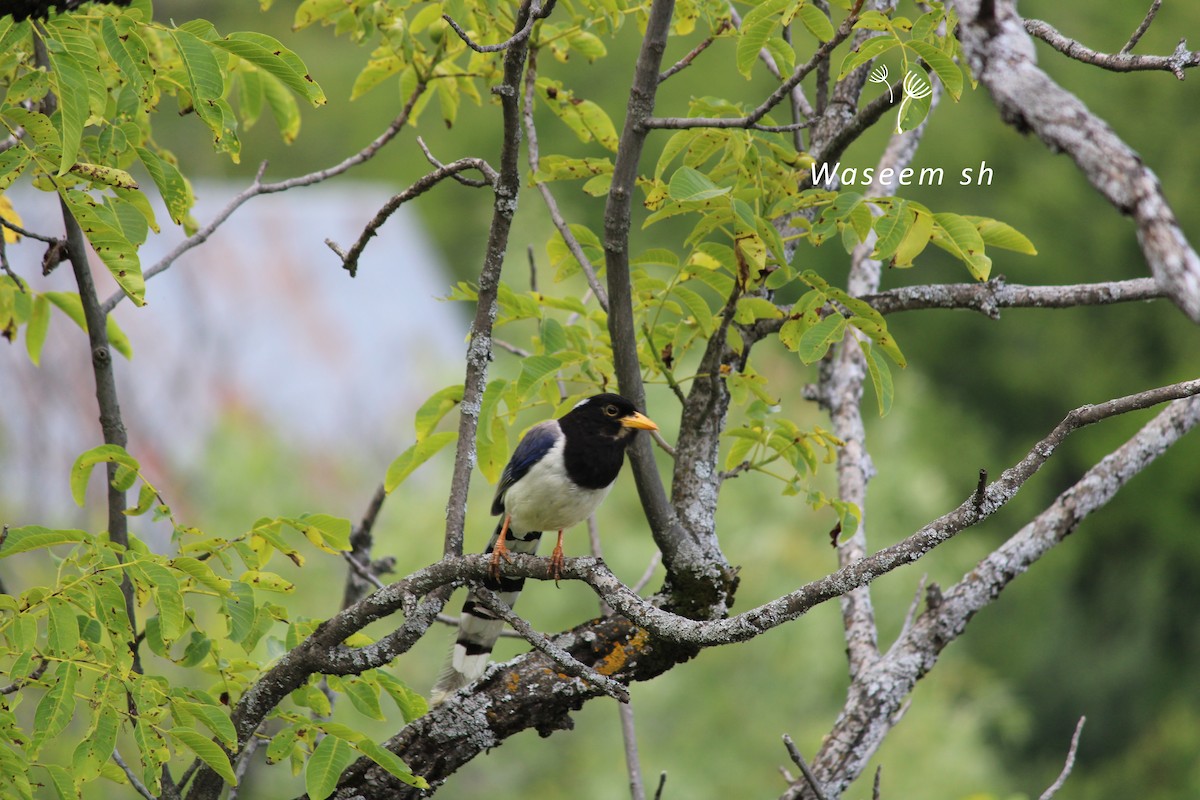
pixel 1002 57
pixel 1124 61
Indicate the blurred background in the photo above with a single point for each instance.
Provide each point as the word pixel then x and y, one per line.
pixel 265 381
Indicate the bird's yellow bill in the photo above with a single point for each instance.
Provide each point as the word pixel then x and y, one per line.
pixel 639 421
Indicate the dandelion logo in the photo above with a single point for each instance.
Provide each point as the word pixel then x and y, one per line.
pixel 880 75
pixel 916 88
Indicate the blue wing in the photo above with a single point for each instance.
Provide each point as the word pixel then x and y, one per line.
pixel 531 449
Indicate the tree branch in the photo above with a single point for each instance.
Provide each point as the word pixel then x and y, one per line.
pixel 988 298
pixel 878 695
pixel 1002 57
pixel 1068 765
pixel 536 12
pixel 1123 61
pixel 420 186
pixel 1143 27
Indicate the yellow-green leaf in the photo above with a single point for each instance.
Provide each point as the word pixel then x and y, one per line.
pixel 208 751
pixel 325 766
pixel 415 456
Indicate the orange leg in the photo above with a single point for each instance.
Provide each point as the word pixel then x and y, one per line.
pixel 556 560
pixel 500 550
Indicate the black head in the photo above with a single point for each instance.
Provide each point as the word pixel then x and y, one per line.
pixel 608 415
pixel 598 430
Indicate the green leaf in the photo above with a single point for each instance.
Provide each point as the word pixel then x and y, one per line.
pixel 68 48
pixel 817 23
pixel 110 243
pixel 327 532
pixel 239 610
pixel 81 470
pixel 915 239
pixel 598 122
pixel 688 185
pixel 757 27
pixel 62 628
pixel 817 340
pixel 411 704
pixel 415 456
pixel 216 719
pixel 698 307
pixel 208 751
pixel 994 233
pixel 174 188
pixel 535 370
pixel 881 378
pixel 435 408
pixel 129 64
pixel 325 766
pixel 391 762
pixel 57 706
pixel 61 780
pixel 270 55
pixel 871 48
pixel 364 696
pixel 947 71
pixel 206 83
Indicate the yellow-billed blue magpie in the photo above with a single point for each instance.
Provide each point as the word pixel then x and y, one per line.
pixel 556 477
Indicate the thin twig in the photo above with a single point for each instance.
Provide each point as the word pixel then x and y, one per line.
pixel 633 765
pixel 536 12
pixel 359 557
pixel 648 573
pixel 571 665
pixel 423 184
pixel 1123 61
pixel 1142 28
pixel 15 228
pixel 1068 765
pixel 799 761
pixel 137 785
pixel 686 61
pixel 507 346
pixel 876 786
pixel 475 183
pixel 662 784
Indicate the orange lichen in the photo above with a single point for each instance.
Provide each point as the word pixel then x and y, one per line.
pixel 619 655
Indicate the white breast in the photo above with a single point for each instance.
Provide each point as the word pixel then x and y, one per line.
pixel 546 500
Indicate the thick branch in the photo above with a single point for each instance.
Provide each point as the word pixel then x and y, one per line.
pixel 1002 57
pixel 878 695
pixel 988 298
pixel 1124 61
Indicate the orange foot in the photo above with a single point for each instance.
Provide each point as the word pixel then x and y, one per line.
pixel 556 560
pixel 500 550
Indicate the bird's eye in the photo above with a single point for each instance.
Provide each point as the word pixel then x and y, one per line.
pixel 611 410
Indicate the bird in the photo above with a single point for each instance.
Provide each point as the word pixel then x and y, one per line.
pixel 557 476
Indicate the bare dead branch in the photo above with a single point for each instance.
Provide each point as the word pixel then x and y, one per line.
pixel 1143 27
pixel 878 696
pixel 1002 57
pixel 633 764
pixel 1123 61
pixel 798 760
pixel 988 298
pixel 687 60
pixel 474 183
pixel 423 184
pixel 1068 765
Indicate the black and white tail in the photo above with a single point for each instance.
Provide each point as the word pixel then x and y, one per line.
pixel 478 628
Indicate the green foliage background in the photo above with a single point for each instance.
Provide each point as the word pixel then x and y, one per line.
pixel 1105 627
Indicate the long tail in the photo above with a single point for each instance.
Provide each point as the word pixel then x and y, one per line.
pixel 478 628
